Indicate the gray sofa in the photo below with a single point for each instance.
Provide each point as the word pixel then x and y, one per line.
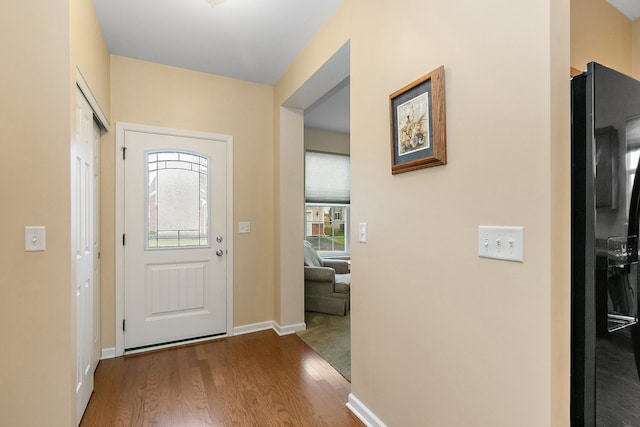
pixel 327 283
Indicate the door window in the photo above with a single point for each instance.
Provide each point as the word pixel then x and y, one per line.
pixel 177 200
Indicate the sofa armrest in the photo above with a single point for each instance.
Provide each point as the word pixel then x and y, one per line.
pixel 319 274
pixel 339 265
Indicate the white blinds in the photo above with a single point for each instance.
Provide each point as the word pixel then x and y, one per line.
pixel 327 178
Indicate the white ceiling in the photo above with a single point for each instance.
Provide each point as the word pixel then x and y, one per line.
pixel 254 40
pixel 331 112
pixel 631 8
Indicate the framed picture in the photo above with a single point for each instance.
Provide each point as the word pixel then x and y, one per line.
pixel 418 131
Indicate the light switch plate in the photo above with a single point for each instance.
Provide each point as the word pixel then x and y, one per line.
pixel 35 238
pixel 362 232
pixel 244 227
pixel 506 243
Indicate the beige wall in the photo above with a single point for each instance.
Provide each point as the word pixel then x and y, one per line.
pixel 89 52
pixel 42 45
pixel 289 223
pixel 36 375
pixel 153 94
pixel 601 33
pixel 635 48
pixel 440 336
pixel 326 141
pixel 560 215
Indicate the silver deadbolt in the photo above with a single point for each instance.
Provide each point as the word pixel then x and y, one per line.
pixel 219 252
pixel 219 239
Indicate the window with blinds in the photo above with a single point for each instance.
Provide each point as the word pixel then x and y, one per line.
pixel 327 178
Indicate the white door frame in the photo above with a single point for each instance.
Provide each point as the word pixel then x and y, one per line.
pixel 121 128
pixel 93 102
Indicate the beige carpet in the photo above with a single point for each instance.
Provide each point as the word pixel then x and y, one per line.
pixel 330 337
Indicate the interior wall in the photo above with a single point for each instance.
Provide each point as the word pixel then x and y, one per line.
pixel 459 335
pixel 560 215
pixel 326 141
pixel 158 95
pixel 289 223
pixel 90 53
pixel 635 49
pixel 600 33
pixel 36 375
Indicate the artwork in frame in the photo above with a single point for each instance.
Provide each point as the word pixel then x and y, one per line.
pixel 418 131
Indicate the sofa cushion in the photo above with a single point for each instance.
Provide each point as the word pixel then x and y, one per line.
pixel 339 265
pixel 343 283
pixel 319 274
pixel 311 257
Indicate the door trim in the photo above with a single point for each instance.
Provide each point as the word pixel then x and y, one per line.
pixel 99 115
pixel 121 128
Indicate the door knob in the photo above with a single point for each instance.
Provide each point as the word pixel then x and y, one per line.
pixel 219 239
pixel 219 252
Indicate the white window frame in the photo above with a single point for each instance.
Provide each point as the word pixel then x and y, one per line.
pixel 347 244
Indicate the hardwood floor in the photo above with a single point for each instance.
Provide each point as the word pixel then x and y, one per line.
pixel 257 379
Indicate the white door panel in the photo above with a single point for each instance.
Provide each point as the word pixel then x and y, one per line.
pixel 84 243
pixel 175 219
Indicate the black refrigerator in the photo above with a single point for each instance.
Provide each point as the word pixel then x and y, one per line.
pixel 605 334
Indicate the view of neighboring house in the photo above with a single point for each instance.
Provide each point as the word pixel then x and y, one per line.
pixel 326 228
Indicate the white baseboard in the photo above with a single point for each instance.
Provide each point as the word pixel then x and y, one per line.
pixel 255 327
pixel 263 326
pixel 363 413
pixel 108 353
pixel 289 329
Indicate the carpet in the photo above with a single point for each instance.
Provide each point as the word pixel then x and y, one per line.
pixel 330 337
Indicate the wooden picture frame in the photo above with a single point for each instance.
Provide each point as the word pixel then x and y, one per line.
pixel 418 128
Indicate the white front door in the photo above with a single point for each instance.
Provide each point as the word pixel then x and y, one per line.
pixel 175 238
pixel 84 244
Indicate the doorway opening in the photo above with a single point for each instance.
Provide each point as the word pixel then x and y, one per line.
pixel 323 102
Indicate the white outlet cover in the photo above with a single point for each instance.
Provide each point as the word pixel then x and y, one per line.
pixel 244 227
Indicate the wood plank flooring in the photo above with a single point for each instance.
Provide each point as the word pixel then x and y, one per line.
pixel 257 379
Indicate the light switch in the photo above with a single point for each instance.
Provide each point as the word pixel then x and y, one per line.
pixel 244 227
pixel 35 238
pixel 505 243
pixel 362 232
